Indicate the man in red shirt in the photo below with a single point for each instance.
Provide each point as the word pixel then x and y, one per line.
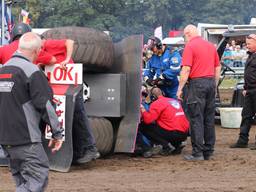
pixel 56 51
pixel 7 51
pixel 201 68
pixel 171 125
pixel 84 144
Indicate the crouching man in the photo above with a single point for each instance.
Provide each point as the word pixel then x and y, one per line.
pixel 25 99
pixel 165 123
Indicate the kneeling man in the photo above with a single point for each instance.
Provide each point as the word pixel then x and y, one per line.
pixel 165 123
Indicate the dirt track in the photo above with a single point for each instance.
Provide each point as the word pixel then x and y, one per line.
pixel 229 170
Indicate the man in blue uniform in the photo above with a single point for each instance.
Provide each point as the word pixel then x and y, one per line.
pixel 163 68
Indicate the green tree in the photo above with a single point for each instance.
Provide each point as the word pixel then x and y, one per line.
pixel 126 17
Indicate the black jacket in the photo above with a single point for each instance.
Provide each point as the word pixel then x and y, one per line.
pixel 250 72
pixel 25 99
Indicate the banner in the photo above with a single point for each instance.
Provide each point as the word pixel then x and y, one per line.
pixel 60 101
pixel 159 32
pixel 25 18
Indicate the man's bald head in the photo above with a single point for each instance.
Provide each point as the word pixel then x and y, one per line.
pixel 156 91
pixel 190 31
pixel 30 41
pixel 30 45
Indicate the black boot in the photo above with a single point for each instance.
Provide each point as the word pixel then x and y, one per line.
pixel 155 150
pixel 244 134
pixel 239 144
pixel 178 149
pixel 167 150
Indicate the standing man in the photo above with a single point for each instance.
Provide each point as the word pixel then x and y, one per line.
pixel 249 93
pixel 25 99
pixel 201 69
pixel 227 56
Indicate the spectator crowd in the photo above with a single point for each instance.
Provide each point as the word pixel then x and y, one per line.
pixel 235 54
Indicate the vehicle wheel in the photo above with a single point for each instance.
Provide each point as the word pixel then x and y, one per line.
pixel 93 48
pixel 103 132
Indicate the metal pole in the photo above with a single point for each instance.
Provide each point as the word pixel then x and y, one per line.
pixel 2 27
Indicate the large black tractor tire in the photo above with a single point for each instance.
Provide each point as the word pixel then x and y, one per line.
pixel 93 48
pixel 103 132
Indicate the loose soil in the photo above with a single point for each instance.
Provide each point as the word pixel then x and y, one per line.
pixel 229 170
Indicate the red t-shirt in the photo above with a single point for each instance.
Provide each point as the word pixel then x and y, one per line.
pixel 44 58
pixel 7 51
pixel 52 47
pixel 201 56
pixel 168 114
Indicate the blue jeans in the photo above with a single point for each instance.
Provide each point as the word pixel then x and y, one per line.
pixel 83 138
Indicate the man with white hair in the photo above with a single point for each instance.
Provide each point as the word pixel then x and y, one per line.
pixel 201 69
pixel 25 99
pixel 249 108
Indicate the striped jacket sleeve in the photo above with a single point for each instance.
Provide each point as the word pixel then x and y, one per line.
pixel 41 96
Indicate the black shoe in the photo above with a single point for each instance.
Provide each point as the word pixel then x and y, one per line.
pixel 239 145
pixel 193 158
pixel 155 150
pixel 90 155
pixel 207 156
pixel 138 151
pixel 147 154
pixel 178 150
pixel 168 150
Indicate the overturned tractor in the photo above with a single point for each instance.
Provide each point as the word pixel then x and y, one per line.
pixel 112 85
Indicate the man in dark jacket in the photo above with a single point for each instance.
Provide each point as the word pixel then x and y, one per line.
pixel 249 93
pixel 25 99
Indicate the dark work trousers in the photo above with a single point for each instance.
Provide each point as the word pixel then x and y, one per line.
pixel 29 166
pixel 184 99
pixel 170 87
pixel 83 138
pixel 158 135
pixel 201 111
pixel 248 114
